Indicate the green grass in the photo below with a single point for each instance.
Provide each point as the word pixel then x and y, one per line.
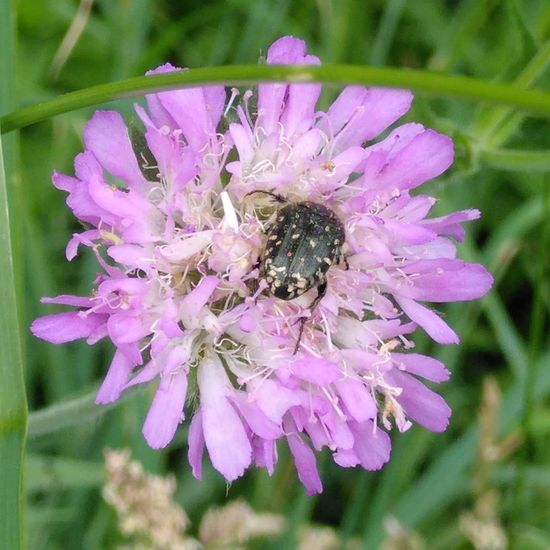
pixel 502 168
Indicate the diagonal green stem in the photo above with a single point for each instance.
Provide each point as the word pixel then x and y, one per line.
pixel 516 159
pixel 72 412
pixel 426 82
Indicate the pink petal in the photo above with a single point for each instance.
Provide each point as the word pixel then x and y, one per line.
pixel 304 459
pixel 372 445
pixel 226 439
pixel 382 152
pixel 438 329
pixel 357 399
pixel 195 440
pixel 286 50
pixel 191 113
pixel 421 365
pixel 69 300
pixel 214 98
pixel 420 403
pixel 107 137
pixel 166 411
pixel 448 280
pixel 338 427
pixel 450 224
pixel 126 328
pixel 346 458
pixel 380 108
pixel 243 142
pixel 159 115
pixel 406 234
pixel 273 399
pixel 115 380
pixel 258 422
pixel 187 247
pixel 169 362
pixel 427 156
pixel 342 109
pixel 67 326
pixel 195 300
pixel 265 454
pixel 316 370
pixel 300 103
pixel 130 255
pixel 86 238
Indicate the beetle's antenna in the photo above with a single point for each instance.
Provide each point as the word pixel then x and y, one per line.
pixel 278 198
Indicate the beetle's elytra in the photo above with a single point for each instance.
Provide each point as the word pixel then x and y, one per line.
pixel 303 242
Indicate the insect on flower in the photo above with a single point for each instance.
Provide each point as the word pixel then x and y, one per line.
pixel 305 240
pixel 191 321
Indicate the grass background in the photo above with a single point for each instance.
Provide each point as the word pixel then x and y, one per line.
pixel 502 168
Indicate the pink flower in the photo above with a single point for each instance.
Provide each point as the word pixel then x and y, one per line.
pixel 179 241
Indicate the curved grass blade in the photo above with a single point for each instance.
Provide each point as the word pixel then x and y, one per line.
pixel 427 82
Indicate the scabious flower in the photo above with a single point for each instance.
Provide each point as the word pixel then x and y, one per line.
pixel 179 237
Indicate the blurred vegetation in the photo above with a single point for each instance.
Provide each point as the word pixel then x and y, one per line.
pixel 488 476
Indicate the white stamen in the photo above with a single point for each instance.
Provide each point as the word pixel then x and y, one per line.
pixel 230 215
pixel 234 94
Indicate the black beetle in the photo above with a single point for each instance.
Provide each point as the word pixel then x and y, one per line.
pixel 305 239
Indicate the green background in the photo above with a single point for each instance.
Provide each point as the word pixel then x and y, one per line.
pixel 502 168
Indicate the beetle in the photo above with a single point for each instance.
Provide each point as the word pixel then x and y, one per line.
pixel 303 242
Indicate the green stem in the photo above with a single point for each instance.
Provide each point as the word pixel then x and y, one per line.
pixel 427 82
pixel 72 412
pixel 510 159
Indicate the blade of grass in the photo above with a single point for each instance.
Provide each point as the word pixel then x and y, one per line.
pixel 386 32
pixel 522 505
pixel 131 22
pixel 466 88
pixel 470 17
pixel 13 405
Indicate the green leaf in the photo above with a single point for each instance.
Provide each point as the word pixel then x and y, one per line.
pixel 427 82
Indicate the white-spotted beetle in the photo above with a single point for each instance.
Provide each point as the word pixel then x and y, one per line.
pixel 305 239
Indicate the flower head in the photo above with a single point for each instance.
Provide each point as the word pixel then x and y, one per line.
pixel 181 239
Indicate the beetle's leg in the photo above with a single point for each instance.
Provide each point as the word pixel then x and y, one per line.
pixel 321 291
pixel 254 283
